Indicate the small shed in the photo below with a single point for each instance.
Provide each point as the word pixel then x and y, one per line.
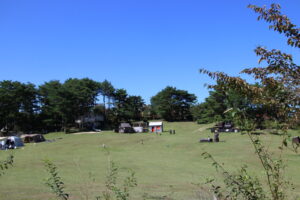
pixel 125 128
pixel 140 127
pixel 156 127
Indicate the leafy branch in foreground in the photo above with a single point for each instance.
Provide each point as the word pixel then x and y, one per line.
pixel 279 92
pixel 242 185
pixel 4 165
pixel 113 191
pixel 239 185
pixel 279 22
pixel 55 181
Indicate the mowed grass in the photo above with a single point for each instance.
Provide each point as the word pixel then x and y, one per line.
pixel 165 165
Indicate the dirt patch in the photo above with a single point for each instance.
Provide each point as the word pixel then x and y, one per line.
pixel 203 128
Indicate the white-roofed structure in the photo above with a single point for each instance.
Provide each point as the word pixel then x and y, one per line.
pixel 156 127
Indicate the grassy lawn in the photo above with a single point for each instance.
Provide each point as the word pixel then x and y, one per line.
pixel 165 165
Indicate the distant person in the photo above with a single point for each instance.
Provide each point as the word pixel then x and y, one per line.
pixel 216 136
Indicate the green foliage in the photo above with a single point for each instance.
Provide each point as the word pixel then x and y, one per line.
pixel 273 168
pixel 202 113
pixel 239 185
pixel 244 184
pixel 55 105
pixel 55 181
pixel 120 108
pixel 173 104
pixel 4 165
pixel 127 107
pixel 107 90
pixel 278 95
pixel 17 105
pixel 212 109
pixel 113 190
pixel 49 98
pixel 223 98
pixel 135 107
pixel 66 102
pixel 149 113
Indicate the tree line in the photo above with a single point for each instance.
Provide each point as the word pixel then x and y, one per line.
pixel 55 105
pixel 223 99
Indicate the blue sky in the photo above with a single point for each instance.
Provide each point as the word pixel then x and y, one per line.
pixel 140 45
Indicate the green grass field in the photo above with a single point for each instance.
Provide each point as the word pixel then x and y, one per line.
pixel 165 165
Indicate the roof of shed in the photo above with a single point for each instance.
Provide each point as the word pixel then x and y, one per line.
pixel 155 123
pixel 124 125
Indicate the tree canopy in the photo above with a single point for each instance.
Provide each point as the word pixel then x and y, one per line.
pixel 55 105
pixel 173 104
pixel 18 104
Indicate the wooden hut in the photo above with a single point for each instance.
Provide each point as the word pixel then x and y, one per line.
pixel 125 128
pixel 140 127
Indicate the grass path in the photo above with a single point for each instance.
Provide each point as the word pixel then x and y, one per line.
pixel 203 128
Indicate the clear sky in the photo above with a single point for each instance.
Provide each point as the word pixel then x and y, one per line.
pixel 139 45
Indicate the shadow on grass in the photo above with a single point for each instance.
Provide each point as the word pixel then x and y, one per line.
pixel 257 133
pixel 206 142
pixel 253 133
pixel 156 197
pixel 276 133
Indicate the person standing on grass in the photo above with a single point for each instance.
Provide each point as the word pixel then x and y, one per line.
pixel 216 136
